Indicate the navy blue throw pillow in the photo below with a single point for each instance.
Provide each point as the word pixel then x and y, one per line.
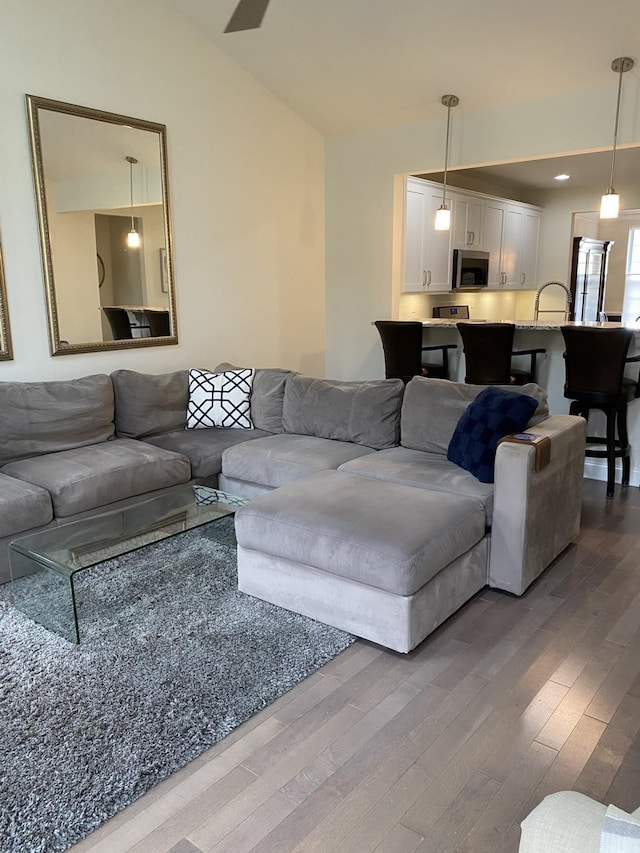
pixel 493 414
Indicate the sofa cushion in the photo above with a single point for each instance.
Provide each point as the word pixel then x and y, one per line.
pixel 204 447
pixel 564 822
pixel 220 399
pixel 279 459
pixel 99 474
pixel 45 417
pixel 432 408
pixel 22 506
pixel 494 414
pixel 392 537
pixel 149 404
pixel 366 413
pixel 267 397
pixel 422 470
pixel 620 832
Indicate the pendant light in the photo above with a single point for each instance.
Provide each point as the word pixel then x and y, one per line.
pixel 443 214
pixel 133 238
pixel 610 204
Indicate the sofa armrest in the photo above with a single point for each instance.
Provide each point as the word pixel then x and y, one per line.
pixel 564 822
pixel 536 514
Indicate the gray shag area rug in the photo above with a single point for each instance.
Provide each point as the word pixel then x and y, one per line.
pixel 172 659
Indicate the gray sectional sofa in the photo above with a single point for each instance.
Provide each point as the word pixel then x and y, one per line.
pixel 357 517
pixel 394 541
pixel 73 447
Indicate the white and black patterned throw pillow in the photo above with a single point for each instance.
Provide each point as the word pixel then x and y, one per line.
pixel 220 399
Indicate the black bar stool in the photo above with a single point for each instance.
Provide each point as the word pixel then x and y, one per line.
pixel 119 323
pixel 158 323
pixel 594 366
pixel 403 349
pixel 488 350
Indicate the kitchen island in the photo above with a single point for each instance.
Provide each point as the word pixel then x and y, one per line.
pixel 550 371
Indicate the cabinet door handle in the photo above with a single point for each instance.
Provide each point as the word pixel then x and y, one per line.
pixel 523 278
pixel 426 278
pixel 473 237
pixel 503 279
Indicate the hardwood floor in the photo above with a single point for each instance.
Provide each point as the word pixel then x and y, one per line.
pixel 445 749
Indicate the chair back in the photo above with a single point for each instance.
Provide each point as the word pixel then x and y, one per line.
pixel 119 323
pixel 487 352
pixel 594 360
pixel 402 347
pixel 158 323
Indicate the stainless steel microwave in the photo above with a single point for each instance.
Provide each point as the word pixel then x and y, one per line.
pixel 470 269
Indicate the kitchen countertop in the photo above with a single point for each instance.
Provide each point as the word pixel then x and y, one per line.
pixel 527 325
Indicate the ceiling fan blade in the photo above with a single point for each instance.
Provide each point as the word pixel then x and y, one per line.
pixel 247 16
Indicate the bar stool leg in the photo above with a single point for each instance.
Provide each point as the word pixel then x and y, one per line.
pixel 624 443
pixel 611 451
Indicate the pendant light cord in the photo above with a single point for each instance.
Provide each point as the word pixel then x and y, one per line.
pixel 131 191
pixel 131 160
pixel 619 65
pixel 615 131
pixel 446 156
pixel 448 101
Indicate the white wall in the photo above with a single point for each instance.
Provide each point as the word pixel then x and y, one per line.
pixel 245 180
pixel 73 245
pixel 360 199
pixel 557 230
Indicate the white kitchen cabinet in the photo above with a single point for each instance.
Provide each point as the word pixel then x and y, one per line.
pixel 511 235
pixel 495 214
pixel 530 248
pixel 427 252
pixel 508 230
pixel 468 215
pixel 520 246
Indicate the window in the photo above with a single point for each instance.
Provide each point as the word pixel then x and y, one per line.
pixel 633 255
pixel 632 283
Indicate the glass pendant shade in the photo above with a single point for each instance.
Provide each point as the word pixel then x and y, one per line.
pixel 133 239
pixel 610 205
pixel 443 218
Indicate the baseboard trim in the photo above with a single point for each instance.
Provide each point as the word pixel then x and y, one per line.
pixel 597 470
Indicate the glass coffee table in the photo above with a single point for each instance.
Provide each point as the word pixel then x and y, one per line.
pixel 45 564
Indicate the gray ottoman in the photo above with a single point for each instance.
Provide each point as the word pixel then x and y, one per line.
pixel 384 561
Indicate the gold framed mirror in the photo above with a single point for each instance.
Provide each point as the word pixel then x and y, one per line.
pixel 102 194
pixel 6 353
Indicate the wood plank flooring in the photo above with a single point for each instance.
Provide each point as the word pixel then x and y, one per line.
pixel 445 749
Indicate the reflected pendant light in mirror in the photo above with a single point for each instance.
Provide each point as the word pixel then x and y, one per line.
pixel 133 238
pixel 443 214
pixel 610 203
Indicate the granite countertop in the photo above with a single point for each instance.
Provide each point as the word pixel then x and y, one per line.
pixel 527 325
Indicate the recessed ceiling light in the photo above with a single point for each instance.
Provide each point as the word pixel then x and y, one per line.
pixel 562 177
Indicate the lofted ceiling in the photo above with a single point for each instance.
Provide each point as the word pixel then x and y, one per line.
pixel 352 65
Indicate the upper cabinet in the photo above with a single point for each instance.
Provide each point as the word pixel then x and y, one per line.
pixel 468 219
pixel 427 252
pixel 520 246
pixel 495 218
pixel 508 230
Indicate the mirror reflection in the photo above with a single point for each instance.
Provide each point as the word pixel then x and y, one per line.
pixel 102 193
pixel 6 353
